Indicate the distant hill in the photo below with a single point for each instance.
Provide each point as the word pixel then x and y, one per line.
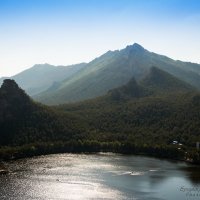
pixel 42 76
pixel 114 69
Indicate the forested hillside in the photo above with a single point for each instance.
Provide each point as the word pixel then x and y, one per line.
pixel 23 121
pixel 142 117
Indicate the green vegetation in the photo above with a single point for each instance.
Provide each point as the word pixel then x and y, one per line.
pixel 141 117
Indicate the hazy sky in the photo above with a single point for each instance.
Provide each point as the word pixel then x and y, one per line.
pixel 63 32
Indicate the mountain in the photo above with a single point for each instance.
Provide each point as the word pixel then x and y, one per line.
pixel 131 90
pixel 145 116
pixel 114 69
pixel 159 81
pixel 23 121
pixel 42 76
pixel 143 120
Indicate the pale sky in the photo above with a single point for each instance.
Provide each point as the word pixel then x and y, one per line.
pixel 64 32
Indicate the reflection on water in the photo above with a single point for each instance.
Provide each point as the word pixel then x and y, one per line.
pixel 99 176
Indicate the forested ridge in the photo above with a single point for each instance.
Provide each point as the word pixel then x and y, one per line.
pixel 140 117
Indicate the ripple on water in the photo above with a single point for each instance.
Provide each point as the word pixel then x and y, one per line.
pixel 94 176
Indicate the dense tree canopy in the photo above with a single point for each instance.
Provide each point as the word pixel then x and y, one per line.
pixel 136 118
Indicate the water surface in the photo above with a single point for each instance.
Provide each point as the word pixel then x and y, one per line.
pixel 99 176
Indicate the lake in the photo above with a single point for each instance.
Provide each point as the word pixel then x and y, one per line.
pixel 99 176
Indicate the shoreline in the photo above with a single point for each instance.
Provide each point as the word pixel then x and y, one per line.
pixel 3 169
pixel 169 152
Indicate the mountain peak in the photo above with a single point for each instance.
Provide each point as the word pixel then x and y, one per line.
pixel 135 46
pixel 127 91
pixel 160 80
pixel 135 49
pixel 9 84
pixel 12 92
pixel 43 66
